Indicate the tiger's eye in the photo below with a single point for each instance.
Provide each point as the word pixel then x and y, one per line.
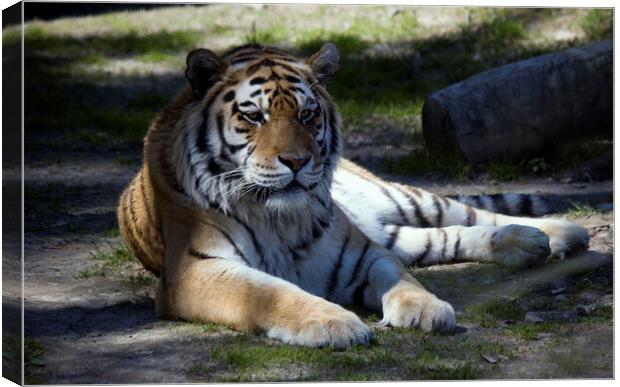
pixel 254 116
pixel 305 114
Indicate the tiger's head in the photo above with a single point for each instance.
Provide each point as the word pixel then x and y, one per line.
pixel 261 128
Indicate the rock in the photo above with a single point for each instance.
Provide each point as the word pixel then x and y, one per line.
pixel 489 358
pixel 560 297
pixel 533 318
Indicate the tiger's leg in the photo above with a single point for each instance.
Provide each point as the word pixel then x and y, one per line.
pixel 403 300
pixel 511 245
pixel 376 206
pixel 231 293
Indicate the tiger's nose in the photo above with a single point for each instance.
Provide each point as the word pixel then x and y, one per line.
pixel 295 163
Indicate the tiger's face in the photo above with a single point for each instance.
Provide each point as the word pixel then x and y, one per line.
pixel 269 132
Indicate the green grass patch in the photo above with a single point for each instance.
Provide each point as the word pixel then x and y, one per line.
pixel 116 258
pixel 525 331
pixel 601 312
pixel 569 360
pixel 347 43
pixel 39 40
pixel 435 369
pixel 33 354
pixel 598 24
pixel 112 261
pixel 504 170
pixel 422 162
pixel 156 57
pixel 271 36
pixel 139 281
pixel 581 210
pixel 489 313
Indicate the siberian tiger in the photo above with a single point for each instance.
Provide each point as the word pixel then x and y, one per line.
pixel 249 217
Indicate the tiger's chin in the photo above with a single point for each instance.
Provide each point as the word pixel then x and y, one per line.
pixel 287 200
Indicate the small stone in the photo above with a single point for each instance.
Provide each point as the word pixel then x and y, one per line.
pixel 567 180
pixel 533 318
pixel 560 297
pixel 489 358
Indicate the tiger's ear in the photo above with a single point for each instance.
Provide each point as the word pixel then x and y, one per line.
pixel 325 62
pixel 204 68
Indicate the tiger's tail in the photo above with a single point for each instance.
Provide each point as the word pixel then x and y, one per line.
pixel 532 205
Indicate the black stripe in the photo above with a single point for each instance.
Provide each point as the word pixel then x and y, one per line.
pixel 445 242
pixel 214 167
pixel 258 81
pixel 219 122
pixel 336 269
pixel 229 96
pixel 457 246
pixel 144 200
pixel 358 265
pixel 247 103
pixel 241 130
pixel 471 215
pixel 287 68
pixel 499 202
pixel 478 202
pixel 235 109
pixel 422 221
pixel 243 59
pixel 439 211
pixel 400 210
pixel 334 131
pixel 238 252
pixel 525 205
pixel 358 293
pixel 427 249
pixel 292 79
pixel 194 253
pixel 257 246
pixel 236 148
pixel 393 237
pixel 255 93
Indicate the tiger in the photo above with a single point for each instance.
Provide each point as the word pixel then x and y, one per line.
pixel 249 217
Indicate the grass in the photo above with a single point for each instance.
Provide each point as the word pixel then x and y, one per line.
pixel 33 354
pixel 570 362
pixel 414 354
pixel 114 261
pixel 422 161
pixel 524 331
pixel 489 313
pixel 504 170
pixel 581 210
pixel 598 24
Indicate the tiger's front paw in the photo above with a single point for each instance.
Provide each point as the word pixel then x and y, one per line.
pixel 518 246
pixel 565 238
pixel 327 325
pixel 410 307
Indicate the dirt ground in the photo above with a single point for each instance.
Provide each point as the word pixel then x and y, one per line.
pixel 89 313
